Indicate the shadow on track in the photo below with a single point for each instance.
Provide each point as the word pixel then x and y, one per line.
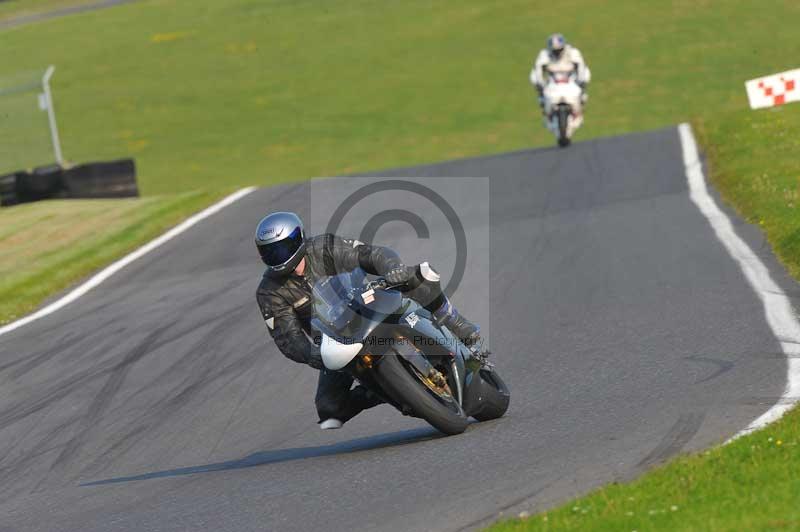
pixel 391 439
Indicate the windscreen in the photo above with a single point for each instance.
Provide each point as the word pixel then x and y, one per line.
pixel 333 297
pixel 348 308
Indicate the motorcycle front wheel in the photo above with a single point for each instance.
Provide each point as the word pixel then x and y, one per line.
pixel 563 123
pixel 409 389
pixel 494 404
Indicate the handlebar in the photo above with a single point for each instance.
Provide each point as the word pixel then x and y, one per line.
pixel 381 284
pixel 378 284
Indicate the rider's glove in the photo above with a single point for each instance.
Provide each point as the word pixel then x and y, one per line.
pixel 398 275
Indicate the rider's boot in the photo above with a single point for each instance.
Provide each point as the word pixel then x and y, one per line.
pixel 425 286
pixel 359 399
pixel 540 90
pixel 330 424
pixel 465 330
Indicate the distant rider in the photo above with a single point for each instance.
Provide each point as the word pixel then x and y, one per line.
pixel 295 263
pixel 559 56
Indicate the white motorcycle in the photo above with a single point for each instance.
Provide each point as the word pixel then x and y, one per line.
pixel 563 105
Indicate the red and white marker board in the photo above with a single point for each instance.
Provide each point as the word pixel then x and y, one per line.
pixel 773 90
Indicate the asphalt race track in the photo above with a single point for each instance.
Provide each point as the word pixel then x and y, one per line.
pixel 625 331
pixel 22 20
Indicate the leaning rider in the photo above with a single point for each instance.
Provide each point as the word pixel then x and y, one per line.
pixel 295 263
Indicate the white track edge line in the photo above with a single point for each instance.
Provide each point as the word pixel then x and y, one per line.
pixel 113 268
pixel 777 306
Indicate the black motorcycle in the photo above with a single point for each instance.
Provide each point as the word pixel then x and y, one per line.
pixel 395 348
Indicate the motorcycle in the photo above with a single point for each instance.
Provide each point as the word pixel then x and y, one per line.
pixel 396 349
pixel 563 105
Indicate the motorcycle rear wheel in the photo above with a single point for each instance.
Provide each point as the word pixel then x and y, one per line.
pixel 403 384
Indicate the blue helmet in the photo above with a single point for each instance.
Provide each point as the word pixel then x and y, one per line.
pixel 280 240
pixel 555 45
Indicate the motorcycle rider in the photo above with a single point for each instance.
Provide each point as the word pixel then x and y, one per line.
pixel 559 56
pixel 295 262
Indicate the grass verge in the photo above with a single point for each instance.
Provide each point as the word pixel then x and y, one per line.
pixel 751 484
pixel 754 163
pixel 47 246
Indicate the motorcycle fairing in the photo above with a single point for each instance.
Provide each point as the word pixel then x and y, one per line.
pixel 416 323
pixel 335 354
pixel 414 333
pixel 355 320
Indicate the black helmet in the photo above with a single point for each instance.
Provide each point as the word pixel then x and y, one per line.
pixel 555 45
pixel 281 242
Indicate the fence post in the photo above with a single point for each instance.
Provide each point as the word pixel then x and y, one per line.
pixel 51 114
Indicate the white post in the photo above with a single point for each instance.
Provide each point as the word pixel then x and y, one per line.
pixel 51 114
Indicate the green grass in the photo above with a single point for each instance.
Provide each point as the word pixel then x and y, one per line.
pixel 755 165
pixel 204 92
pixel 751 484
pixel 47 246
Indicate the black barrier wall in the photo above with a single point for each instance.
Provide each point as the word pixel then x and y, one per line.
pixel 110 179
pixel 42 183
pixel 114 179
pixel 8 190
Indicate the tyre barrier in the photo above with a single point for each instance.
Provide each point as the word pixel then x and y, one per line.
pixel 8 190
pixel 110 179
pixel 41 183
